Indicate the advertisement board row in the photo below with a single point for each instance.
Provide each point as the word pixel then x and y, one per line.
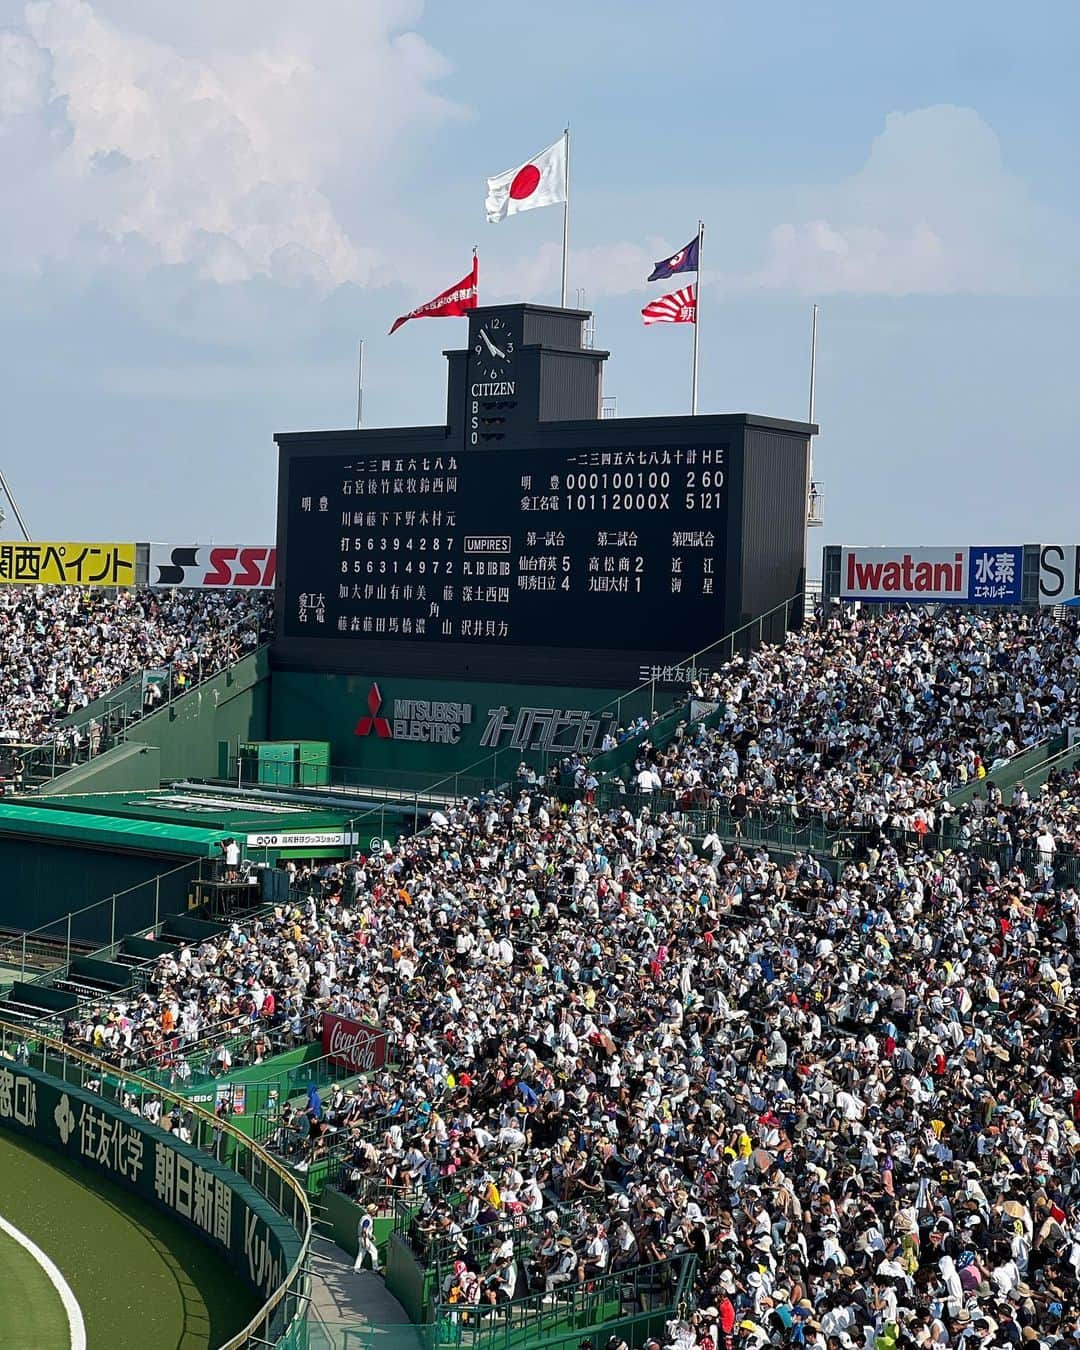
pixel 188 566
pixel 987 575
pixel 981 576
pixel 202 567
pixel 163 1170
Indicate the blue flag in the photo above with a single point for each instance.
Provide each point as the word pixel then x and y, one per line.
pixel 685 260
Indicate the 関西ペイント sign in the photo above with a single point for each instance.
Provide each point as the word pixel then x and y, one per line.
pixel 67 564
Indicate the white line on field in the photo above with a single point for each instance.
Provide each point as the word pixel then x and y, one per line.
pixel 67 1298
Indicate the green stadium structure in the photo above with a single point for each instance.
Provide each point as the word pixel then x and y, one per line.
pixel 118 862
pixel 228 1191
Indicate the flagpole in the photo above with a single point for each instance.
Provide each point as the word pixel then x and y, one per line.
pixel 565 211
pixel 360 389
pixel 813 358
pixel 810 502
pixel 697 318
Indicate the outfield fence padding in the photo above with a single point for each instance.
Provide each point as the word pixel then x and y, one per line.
pixel 237 1198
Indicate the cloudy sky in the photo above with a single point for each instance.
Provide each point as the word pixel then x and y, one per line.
pixel 206 205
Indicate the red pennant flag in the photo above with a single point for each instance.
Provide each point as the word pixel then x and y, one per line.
pixel 455 300
pixel 678 307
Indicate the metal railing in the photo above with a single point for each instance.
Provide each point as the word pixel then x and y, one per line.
pixel 523 1230
pixel 405 787
pixel 638 1292
pixel 288 1303
pixel 723 649
pixel 199 1055
pixel 1068 756
pixel 115 713
pixel 785 834
pixel 58 933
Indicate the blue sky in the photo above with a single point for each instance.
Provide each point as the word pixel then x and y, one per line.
pixel 208 205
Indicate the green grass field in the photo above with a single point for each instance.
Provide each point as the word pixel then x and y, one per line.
pixel 142 1280
pixel 31 1306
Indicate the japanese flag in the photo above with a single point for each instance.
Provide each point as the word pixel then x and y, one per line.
pixel 540 182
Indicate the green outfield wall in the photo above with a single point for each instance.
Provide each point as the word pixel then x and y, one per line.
pixel 220 1206
pixel 187 1184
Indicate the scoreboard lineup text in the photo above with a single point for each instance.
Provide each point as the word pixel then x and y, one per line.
pixel 581 548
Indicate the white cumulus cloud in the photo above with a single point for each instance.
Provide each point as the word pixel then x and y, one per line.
pixel 23 76
pixel 934 210
pixel 210 139
pixel 820 257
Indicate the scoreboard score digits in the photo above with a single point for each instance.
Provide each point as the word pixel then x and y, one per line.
pixel 612 549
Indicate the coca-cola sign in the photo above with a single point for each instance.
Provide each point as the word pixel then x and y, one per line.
pixel 356 1045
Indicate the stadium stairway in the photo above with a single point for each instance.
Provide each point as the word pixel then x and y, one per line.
pixel 355 1303
pixel 185 731
pixel 1008 773
pixel 89 980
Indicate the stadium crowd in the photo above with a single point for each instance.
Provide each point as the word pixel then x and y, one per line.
pixel 875 717
pixel 62 647
pixel 848 1087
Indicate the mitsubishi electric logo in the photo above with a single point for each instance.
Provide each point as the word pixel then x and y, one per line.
pixel 430 721
pixel 372 722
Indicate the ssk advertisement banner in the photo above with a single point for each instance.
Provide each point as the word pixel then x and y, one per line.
pixel 957 576
pixel 213 566
pixel 356 1045
pixel 1059 574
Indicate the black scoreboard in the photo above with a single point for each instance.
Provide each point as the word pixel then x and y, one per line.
pixel 570 551
pixel 567 548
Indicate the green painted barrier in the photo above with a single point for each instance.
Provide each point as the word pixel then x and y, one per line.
pixel 251 1211
pixel 183 1181
pixel 1064 759
pixel 256 1089
pixel 110 973
pixel 1006 775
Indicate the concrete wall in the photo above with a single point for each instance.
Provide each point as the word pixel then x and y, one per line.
pixel 190 732
pixel 126 768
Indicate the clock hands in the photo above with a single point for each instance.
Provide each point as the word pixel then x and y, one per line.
pixel 495 351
